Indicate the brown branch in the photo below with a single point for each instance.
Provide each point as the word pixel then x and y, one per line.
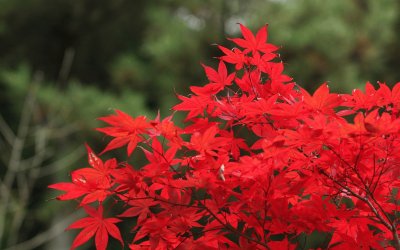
pixel 65 69
pixel 6 131
pixel 14 163
pixel 364 199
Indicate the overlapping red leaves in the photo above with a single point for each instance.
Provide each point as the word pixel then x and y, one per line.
pixel 259 164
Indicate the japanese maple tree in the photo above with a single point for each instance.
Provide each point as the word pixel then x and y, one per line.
pixel 259 162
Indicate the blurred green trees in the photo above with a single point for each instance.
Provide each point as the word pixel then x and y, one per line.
pixel 343 42
pixel 81 59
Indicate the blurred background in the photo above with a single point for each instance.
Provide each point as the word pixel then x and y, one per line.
pixel 65 63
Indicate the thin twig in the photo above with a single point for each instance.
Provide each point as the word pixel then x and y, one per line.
pixel 16 155
pixel 6 131
pixel 364 199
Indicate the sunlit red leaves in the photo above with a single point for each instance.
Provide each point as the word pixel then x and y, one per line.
pixel 140 208
pixel 183 223
pixel 250 82
pixel 125 130
pixel 322 100
pixel 234 144
pixel 98 226
pixel 258 158
pixel 94 183
pixel 196 105
pixel 234 56
pixel 362 100
pixel 373 98
pixel 255 43
pixel 160 237
pixel 207 143
pixel 168 129
pixel 160 162
pixel 260 107
pixel 355 234
pixel 373 125
pixel 218 80
pixel 275 73
pixel 394 97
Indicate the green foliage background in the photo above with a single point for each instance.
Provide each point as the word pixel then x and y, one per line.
pixel 85 58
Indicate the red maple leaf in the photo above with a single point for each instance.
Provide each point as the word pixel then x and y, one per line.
pixel 139 208
pixel 275 73
pixel 160 236
pixel 359 100
pixel 168 129
pixel 218 80
pixel 221 76
pixel 160 162
pixel 124 129
pixel 97 225
pixel 196 105
pixel 322 100
pixel 303 168
pixel 93 182
pixel 253 43
pixel 249 81
pixel 207 143
pixel 234 56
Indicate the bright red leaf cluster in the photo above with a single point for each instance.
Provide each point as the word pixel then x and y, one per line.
pixel 259 164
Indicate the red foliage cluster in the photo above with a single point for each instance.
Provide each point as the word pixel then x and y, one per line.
pixel 259 162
